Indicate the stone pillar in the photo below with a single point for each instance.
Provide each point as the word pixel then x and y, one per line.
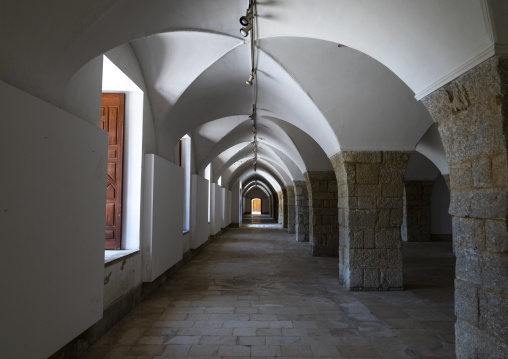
pixel 291 209
pixel 285 208
pixel 472 115
pixel 275 207
pixel 417 208
pixel 280 217
pixel 324 231
pixel 302 211
pixel 370 191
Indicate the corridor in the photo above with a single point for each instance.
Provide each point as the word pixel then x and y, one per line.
pixel 256 292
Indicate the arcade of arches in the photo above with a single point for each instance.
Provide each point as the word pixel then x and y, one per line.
pixel 374 124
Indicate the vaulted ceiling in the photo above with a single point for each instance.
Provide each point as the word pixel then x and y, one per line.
pixel 332 75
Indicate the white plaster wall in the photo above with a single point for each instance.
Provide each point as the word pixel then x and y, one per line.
pixel 235 203
pixel 247 205
pixel 431 146
pixel 420 168
pixel 163 217
pixel 226 217
pixel 441 220
pixel 121 277
pixel 82 96
pixel 125 59
pixel 216 213
pixel 52 198
pixel 199 229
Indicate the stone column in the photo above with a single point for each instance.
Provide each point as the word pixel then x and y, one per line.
pixel 472 114
pixel 370 191
pixel 302 211
pixel 285 208
pixel 281 207
pixel 418 201
pixel 275 207
pixel 324 231
pixel 291 209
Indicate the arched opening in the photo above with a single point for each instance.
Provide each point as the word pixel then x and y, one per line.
pixel 256 206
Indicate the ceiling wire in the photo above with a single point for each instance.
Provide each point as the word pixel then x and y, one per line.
pixel 252 5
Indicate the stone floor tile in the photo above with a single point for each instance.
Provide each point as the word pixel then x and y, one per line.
pixel 208 324
pixel 269 331
pixel 107 352
pixel 219 310
pixel 431 349
pixel 304 324
pixel 234 351
pixel 151 340
pixel 130 336
pixel 197 316
pixel 174 323
pixel 176 350
pixel 251 340
pixel 173 316
pixel 184 339
pixel 263 317
pixel 296 351
pixel 266 350
pixel 205 331
pixel 229 317
pixel 324 350
pixel 220 340
pixel 440 326
pixel 294 332
pixel 253 290
pixel 203 350
pixel 145 349
pixel 416 335
pixel 244 332
pixel 357 351
pixel 246 310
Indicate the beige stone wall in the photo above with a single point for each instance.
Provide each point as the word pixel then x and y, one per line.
pixel 285 208
pixel 323 227
pixel 291 214
pixel 370 194
pixel 280 198
pixel 302 229
pixel 472 115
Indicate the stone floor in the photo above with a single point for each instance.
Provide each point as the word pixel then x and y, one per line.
pixel 257 292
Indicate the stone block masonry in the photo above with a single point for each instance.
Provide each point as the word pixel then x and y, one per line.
pixel 285 208
pixel 291 215
pixel 370 194
pixel 302 227
pixel 280 211
pixel 323 227
pixel 472 115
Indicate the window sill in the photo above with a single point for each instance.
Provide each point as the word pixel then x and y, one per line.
pixel 113 256
pixel 185 232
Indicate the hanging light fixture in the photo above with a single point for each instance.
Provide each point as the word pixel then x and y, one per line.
pixel 247 21
pixel 251 78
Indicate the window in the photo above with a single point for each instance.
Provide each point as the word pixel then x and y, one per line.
pixel 207 176
pixel 184 149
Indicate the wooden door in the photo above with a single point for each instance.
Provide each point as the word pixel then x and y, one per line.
pixel 256 205
pixel 112 120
